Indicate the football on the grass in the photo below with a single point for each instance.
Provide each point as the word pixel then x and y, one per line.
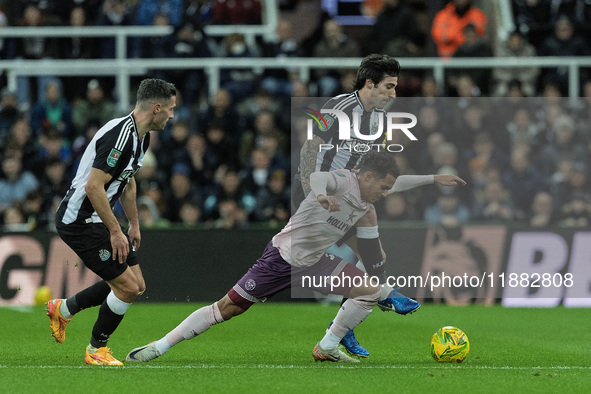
pixel 449 345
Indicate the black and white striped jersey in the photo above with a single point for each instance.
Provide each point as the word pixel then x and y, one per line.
pixel 116 150
pixel 346 154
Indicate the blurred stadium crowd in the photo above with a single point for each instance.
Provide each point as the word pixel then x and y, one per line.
pixel 226 161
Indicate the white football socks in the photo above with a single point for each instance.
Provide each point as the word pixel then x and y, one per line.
pixel 330 340
pixel 116 305
pixel 196 323
pixel 64 310
pixel 162 345
pixel 385 291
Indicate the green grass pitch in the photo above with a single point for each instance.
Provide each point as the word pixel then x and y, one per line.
pixel 269 350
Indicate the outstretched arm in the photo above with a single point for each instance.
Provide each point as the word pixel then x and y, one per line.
pixel 408 182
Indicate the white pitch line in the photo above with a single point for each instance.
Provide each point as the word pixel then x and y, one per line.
pixel 264 366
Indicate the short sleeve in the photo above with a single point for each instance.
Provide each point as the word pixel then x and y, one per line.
pixel 109 152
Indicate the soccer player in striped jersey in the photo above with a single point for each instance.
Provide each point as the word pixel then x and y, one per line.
pixel 85 219
pixel 375 86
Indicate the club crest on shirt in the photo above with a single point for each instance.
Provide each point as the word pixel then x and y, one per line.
pixel 113 157
pixel 329 121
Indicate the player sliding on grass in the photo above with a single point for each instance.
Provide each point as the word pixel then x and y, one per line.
pixel 339 200
pixel 86 223
pixel 375 86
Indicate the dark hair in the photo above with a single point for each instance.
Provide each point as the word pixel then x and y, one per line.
pixel 380 163
pixel 376 67
pixel 156 90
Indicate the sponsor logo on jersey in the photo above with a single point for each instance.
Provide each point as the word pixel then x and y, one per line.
pixel 113 157
pixel 338 224
pixel 104 254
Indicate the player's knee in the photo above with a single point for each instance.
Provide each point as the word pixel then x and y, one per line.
pixel 130 291
pixel 228 309
pixel 366 294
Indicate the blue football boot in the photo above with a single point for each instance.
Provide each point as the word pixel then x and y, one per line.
pixel 398 303
pixel 351 344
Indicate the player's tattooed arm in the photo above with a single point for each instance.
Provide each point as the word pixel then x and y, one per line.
pixel 308 156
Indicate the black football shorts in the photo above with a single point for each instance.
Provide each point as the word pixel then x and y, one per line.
pixel 92 243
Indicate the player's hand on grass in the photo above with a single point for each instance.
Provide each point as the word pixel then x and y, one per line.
pixel 329 203
pixel 449 180
pixel 120 246
pixel 135 237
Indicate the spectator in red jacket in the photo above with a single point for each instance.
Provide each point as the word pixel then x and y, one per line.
pixel 449 23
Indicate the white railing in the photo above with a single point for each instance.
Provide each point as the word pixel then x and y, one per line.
pixel 122 69
pixel 267 30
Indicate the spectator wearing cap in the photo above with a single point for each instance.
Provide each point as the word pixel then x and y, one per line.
pixel 94 108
